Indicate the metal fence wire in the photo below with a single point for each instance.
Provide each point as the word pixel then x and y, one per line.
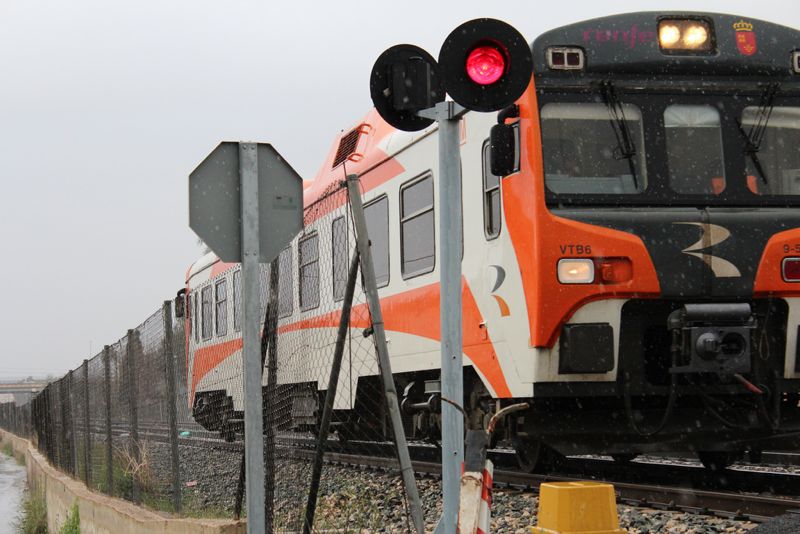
pixel 157 417
pixel 307 303
pixel 17 419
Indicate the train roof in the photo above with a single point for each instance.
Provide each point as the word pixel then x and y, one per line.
pixel 207 261
pixel 356 150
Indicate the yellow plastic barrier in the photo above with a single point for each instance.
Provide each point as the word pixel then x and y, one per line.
pixel 577 508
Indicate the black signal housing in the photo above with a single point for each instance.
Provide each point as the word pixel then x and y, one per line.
pixel 405 79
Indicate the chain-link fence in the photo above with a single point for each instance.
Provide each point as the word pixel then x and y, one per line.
pixel 316 361
pixel 157 417
pixel 16 419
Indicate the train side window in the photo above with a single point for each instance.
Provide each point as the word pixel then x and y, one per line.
pixel 417 247
pixel 195 315
pixel 376 214
pixel 206 311
pixel 237 299
pixel 492 219
pixel 308 258
pixel 340 256
pixel 221 315
pixel 285 283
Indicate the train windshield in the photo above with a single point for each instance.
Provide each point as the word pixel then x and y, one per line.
pixel 582 152
pixel 778 155
pixel 694 149
pixel 699 150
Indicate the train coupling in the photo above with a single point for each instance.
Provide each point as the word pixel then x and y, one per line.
pixel 712 338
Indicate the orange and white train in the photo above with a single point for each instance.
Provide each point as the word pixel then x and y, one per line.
pixel 634 276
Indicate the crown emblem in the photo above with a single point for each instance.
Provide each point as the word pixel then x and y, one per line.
pixel 743 26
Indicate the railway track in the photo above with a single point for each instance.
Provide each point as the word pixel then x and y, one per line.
pixel 730 494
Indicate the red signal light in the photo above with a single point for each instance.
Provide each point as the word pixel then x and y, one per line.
pixel 485 65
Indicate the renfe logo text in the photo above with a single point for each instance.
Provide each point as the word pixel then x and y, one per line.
pixel 629 37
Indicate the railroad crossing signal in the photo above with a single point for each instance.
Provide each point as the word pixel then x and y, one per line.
pixel 484 65
pixel 215 204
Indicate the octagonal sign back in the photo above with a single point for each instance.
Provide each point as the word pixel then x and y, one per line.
pixel 215 205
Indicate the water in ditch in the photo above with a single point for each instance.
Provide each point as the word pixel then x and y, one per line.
pixel 12 486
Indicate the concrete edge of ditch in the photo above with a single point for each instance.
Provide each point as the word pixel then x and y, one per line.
pixel 100 513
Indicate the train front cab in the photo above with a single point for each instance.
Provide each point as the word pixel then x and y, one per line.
pixel 657 229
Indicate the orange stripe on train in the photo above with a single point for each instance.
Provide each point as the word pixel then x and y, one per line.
pixel 416 312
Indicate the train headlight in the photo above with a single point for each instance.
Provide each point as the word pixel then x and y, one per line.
pixel 675 35
pixel 575 271
pixel 668 35
pixel 695 36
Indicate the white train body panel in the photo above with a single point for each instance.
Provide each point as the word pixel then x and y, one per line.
pixel 501 354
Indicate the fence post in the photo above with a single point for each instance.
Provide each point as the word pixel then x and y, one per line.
pixel 109 443
pixel 73 427
pixel 48 430
pixel 87 440
pixel 68 458
pixel 169 371
pixel 49 425
pixel 134 413
pixel 270 332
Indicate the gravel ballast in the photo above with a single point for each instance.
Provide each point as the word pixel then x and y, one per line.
pixel 364 500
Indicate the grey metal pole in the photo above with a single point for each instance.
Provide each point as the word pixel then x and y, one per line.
pixel 371 290
pixel 109 444
pixel 251 291
pixel 450 243
pixel 87 441
pixel 172 416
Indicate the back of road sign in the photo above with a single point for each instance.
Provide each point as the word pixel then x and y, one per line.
pixel 215 206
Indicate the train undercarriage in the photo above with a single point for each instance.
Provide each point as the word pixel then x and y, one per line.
pixel 701 380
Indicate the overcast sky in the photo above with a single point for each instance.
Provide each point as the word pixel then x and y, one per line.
pixel 105 108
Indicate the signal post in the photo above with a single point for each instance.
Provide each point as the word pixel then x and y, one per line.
pixel 246 203
pixel 485 65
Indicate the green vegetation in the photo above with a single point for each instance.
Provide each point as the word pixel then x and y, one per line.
pixel 8 450
pixel 73 523
pixel 33 516
pixel 192 506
